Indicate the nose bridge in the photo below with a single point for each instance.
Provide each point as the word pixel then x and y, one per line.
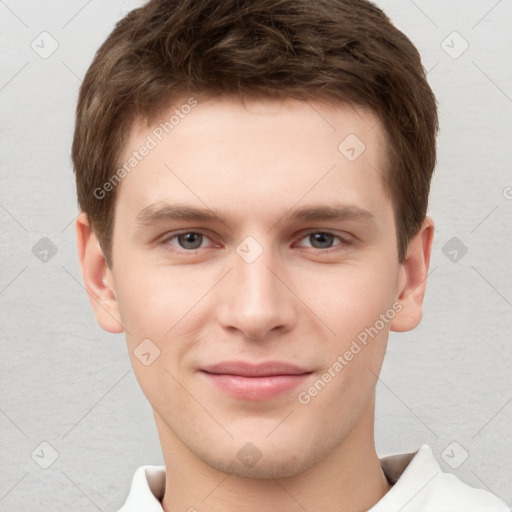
pixel 256 301
pixel 256 281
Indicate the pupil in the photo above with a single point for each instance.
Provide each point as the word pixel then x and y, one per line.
pixel 324 239
pixel 187 240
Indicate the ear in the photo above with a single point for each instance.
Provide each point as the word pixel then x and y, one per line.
pixel 98 278
pixel 413 279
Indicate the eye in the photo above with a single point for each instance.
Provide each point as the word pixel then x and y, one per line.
pixel 323 239
pixel 187 240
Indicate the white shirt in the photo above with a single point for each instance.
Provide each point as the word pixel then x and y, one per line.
pixel 419 485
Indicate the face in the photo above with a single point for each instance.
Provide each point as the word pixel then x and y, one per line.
pixel 255 272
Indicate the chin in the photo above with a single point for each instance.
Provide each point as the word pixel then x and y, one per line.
pixel 268 466
pixel 261 458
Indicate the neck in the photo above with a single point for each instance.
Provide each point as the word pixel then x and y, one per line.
pixel 349 479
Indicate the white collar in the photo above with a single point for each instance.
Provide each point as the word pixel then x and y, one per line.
pixel 419 485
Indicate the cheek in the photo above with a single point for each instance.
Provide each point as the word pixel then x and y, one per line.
pixel 350 302
pixel 353 355
pixel 157 303
pixel 160 305
pixel 348 298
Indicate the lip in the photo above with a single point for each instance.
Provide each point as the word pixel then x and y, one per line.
pixel 249 381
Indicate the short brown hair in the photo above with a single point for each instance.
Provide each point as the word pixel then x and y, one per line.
pixel 341 50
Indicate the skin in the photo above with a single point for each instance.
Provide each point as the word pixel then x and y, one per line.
pixel 301 301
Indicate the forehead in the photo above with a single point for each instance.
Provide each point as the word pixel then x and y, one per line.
pixel 256 155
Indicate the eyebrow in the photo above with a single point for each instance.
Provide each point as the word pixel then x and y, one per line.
pixel 165 212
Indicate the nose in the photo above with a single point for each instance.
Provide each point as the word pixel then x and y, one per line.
pixel 255 298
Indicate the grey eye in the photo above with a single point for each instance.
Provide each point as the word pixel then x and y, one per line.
pixel 190 240
pixel 321 240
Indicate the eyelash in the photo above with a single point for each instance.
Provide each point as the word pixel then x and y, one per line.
pixel 343 241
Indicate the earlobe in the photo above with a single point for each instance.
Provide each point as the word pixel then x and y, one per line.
pixel 414 278
pixel 97 277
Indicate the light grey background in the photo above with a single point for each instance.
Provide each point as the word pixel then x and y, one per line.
pixel 67 383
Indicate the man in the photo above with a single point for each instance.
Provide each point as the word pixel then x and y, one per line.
pixel 253 178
